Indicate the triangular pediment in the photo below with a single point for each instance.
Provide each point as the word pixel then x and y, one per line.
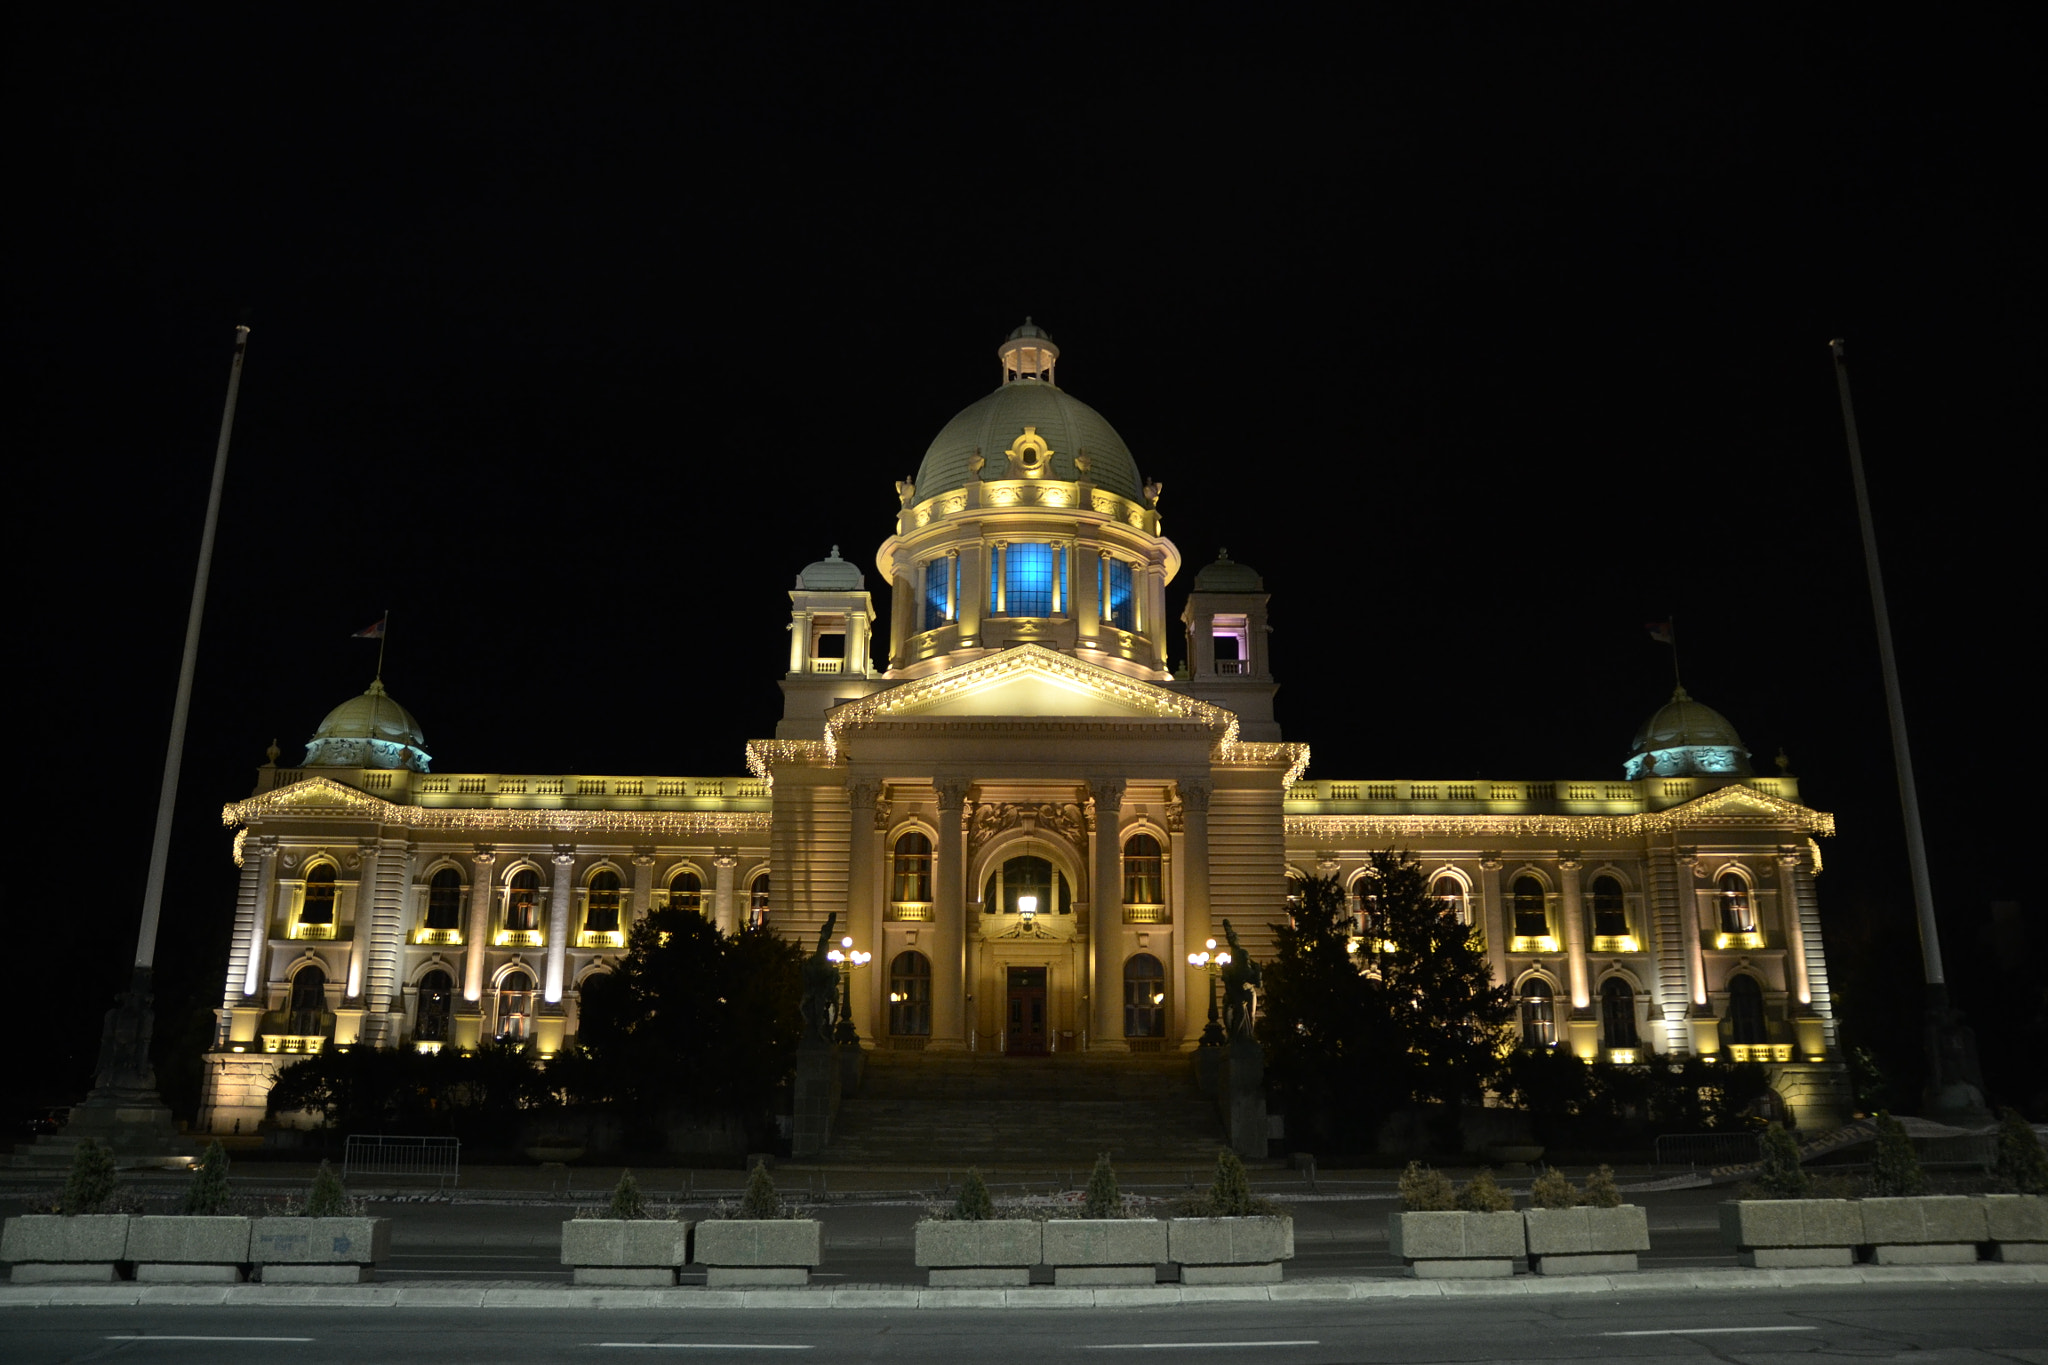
pixel 312 793
pixel 1030 682
pixel 1737 802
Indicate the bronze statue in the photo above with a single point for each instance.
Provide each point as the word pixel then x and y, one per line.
pixel 821 987
pixel 1238 980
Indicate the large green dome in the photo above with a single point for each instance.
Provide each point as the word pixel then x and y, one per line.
pixel 1687 739
pixel 1029 399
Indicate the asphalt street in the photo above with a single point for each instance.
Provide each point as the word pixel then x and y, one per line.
pixel 1933 1325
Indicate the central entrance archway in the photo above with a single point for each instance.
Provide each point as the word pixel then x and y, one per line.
pixel 1024 1033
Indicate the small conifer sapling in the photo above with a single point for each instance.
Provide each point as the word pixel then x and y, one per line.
pixel 627 1201
pixel 760 1200
pixel 208 1192
pixel 1102 1199
pixel 327 1199
pixel 973 1203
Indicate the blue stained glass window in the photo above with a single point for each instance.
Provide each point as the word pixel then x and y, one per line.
pixel 935 592
pixel 1029 571
pixel 1123 605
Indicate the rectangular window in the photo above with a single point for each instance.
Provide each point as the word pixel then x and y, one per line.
pixel 935 575
pixel 1120 603
pixel 1029 572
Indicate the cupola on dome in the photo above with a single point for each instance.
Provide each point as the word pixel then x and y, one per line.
pixel 1687 739
pixel 370 731
pixel 1227 575
pixel 830 574
pixel 1028 399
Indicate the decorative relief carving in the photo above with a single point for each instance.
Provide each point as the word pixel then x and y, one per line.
pixel 565 854
pixel 1107 791
pixel 885 814
pixel 1491 860
pixel 1195 793
pixel 1568 861
pixel 862 793
pixel 1061 820
pixel 1176 814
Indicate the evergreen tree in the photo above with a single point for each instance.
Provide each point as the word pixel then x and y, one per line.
pixel 1482 1194
pixel 1601 1191
pixel 627 1201
pixel 1781 1176
pixel 760 1199
pixel 1895 1169
pixel 90 1185
pixel 1230 1195
pixel 208 1192
pixel 327 1199
pixel 2021 1165
pixel 1425 1189
pixel 973 1203
pixel 1102 1199
pixel 1553 1190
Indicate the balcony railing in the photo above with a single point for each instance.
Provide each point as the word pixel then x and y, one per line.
pixel 1146 914
pixel 913 911
pixel 450 938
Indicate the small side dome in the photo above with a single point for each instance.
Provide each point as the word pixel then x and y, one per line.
pixel 831 574
pixel 1687 739
pixel 370 731
pixel 1227 575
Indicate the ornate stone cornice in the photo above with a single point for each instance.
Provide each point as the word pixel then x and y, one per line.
pixel 1732 808
pixel 324 798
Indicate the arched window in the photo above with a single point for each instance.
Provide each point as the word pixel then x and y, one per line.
pixel 1119 599
pixel 911 883
pixel 1526 900
pixel 686 892
pixel 1028 580
pixel 601 905
pixel 522 902
pixel 1539 1022
pixel 1617 1012
pixel 1746 1022
pixel 1027 876
pixel 319 906
pixel 308 1001
pixel 1738 913
pixel 1144 883
pixel 910 995
pixel 444 899
pixel 757 900
pixel 515 1007
pixel 1144 997
pixel 1450 896
pixel 1610 909
pixel 437 1000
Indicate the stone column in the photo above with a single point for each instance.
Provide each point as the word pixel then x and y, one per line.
pixel 1706 1031
pixel 362 917
pixel 722 863
pixel 799 641
pixel 558 923
pixel 949 920
pixel 1582 1025
pixel 1154 623
pixel 643 886
pixel 259 924
pixel 478 938
pixel 1193 918
pixel 1807 1025
pixel 1087 591
pixel 1105 916
pixel 902 602
pixel 1493 916
pixel 863 914
pixel 971 594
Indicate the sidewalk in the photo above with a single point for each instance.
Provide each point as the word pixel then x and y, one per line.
pixel 497 1295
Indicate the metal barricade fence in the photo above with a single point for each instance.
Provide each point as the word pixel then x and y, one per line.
pixel 1706 1149
pixel 376 1154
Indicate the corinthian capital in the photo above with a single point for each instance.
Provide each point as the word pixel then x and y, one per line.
pixel 1195 793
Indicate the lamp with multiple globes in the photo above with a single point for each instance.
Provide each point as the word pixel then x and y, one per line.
pixel 846 957
pixel 1213 962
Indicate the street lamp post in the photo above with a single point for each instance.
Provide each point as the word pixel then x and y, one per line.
pixel 846 957
pixel 1212 962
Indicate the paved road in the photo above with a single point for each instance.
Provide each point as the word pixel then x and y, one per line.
pixel 1933 1325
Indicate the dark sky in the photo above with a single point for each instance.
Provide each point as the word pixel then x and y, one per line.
pixel 1486 336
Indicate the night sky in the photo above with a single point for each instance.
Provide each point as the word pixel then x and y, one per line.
pixel 1485 336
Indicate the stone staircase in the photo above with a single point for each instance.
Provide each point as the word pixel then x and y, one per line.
pixel 989 1110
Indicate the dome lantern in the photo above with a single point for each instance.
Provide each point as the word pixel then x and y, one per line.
pixel 370 731
pixel 1028 354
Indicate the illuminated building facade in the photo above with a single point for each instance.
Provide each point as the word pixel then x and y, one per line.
pixel 1027 817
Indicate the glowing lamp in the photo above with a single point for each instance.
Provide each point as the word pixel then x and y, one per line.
pixel 1027 906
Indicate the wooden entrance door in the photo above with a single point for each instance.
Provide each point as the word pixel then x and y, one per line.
pixel 1024 1020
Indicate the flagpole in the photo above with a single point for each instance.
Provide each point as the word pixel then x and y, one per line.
pixel 1953 1083
pixel 383 634
pixel 1677 678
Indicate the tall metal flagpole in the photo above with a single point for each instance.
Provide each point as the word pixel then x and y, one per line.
pixel 124 1101
pixel 1953 1084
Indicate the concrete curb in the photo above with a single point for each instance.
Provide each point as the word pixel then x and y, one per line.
pixel 496 1295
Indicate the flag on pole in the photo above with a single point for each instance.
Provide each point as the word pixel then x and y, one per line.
pixel 1660 631
pixel 371 632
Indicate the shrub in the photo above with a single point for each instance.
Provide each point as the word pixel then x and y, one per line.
pixel 90 1186
pixel 327 1199
pixel 626 1198
pixel 1780 1176
pixel 1102 1199
pixel 973 1203
pixel 1895 1169
pixel 1601 1191
pixel 1481 1195
pixel 1425 1189
pixel 208 1192
pixel 760 1200
pixel 1230 1195
pixel 1553 1190
pixel 2022 1164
